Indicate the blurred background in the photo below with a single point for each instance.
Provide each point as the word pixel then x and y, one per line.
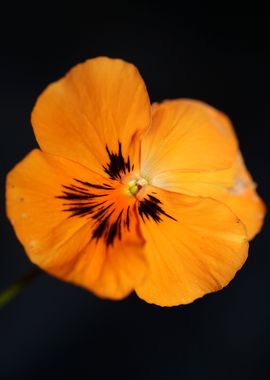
pixel 218 54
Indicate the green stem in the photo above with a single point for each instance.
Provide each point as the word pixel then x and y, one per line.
pixel 16 287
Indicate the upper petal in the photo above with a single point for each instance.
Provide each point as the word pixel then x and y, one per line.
pixel 197 252
pixel 73 223
pixel 187 135
pixel 99 103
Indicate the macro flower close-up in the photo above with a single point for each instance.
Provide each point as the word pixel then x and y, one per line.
pixel 127 196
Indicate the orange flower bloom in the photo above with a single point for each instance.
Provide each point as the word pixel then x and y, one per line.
pixel 125 197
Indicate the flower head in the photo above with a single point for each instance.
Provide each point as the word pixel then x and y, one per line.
pixel 123 196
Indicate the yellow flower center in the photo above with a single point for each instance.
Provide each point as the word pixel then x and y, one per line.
pixel 135 185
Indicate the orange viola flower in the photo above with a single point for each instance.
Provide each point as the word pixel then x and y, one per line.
pixel 123 196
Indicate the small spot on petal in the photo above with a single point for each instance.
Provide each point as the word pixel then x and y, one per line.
pixel 32 244
pixel 239 186
pixel 24 215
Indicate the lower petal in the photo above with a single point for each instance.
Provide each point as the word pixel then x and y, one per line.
pixel 109 272
pixel 197 250
pixel 52 218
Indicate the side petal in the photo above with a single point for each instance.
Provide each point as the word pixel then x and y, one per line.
pixel 56 218
pixel 187 136
pixel 243 199
pixel 99 103
pixel 198 253
pixel 233 186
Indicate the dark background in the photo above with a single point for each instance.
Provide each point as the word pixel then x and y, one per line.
pixel 217 54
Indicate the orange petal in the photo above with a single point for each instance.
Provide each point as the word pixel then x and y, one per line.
pixel 233 186
pixel 59 231
pixel 100 102
pixel 187 136
pixel 243 200
pixel 198 253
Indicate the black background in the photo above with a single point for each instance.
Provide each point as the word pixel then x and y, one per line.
pixel 218 54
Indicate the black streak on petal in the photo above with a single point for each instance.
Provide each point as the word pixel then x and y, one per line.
pixel 117 165
pixel 150 208
pixel 114 230
pixel 102 227
pixel 127 218
pixel 104 186
pixel 79 201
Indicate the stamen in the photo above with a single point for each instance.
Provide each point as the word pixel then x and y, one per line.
pixel 135 185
